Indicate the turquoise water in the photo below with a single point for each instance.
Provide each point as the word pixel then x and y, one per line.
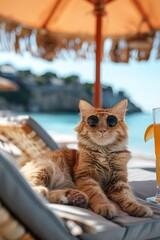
pixel 65 123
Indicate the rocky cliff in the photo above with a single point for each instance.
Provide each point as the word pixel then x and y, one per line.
pixel 66 98
pixel 48 93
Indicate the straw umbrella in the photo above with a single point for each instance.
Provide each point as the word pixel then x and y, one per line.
pixel 77 25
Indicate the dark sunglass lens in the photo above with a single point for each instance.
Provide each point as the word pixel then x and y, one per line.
pixel 93 121
pixel 112 121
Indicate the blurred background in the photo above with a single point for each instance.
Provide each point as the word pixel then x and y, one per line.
pixel 50 62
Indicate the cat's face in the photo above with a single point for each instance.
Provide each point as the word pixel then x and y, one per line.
pixel 103 126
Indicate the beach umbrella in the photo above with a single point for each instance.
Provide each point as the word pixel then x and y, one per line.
pixel 51 28
pixel 7 85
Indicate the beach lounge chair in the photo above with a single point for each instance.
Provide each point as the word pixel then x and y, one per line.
pixel 24 215
pixel 24 138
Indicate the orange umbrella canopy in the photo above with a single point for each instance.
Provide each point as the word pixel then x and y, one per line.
pixel 76 17
pixel 73 24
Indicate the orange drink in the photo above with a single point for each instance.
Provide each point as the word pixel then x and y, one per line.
pixel 157 150
pixel 154 131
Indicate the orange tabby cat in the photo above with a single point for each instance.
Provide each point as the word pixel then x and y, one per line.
pixel 98 169
pixel 101 169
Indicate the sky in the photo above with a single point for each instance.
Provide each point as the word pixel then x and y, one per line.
pixel 140 80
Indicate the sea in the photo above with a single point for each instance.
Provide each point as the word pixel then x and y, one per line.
pixel 61 127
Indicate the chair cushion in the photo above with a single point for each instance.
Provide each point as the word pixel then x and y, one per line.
pixel 41 217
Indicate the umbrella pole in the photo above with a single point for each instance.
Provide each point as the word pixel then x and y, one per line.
pixel 99 12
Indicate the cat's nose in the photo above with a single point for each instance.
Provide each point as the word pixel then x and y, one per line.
pixel 102 131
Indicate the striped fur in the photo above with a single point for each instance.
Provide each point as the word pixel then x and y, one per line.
pixel 51 176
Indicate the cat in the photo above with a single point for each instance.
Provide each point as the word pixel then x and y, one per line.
pixel 101 169
pixel 96 174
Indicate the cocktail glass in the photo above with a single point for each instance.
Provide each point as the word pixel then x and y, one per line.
pixel 155 130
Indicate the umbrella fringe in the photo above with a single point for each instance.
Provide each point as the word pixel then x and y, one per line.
pixel 48 45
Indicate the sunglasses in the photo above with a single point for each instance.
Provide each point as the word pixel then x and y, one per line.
pixel 93 121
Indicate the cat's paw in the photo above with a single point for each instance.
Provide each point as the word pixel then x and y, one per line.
pixel 75 198
pixel 43 191
pixel 138 210
pixel 105 209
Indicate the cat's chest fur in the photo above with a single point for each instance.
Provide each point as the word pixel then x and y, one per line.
pixel 103 168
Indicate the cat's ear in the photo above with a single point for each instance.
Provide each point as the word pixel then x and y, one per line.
pixel 85 108
pixel 121 108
